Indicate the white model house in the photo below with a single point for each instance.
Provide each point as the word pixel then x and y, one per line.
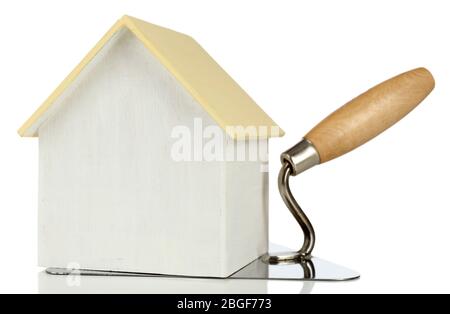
pixel 114 193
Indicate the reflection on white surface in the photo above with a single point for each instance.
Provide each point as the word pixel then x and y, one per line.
pixel 172 285
pixel 111 284
pixel 140 285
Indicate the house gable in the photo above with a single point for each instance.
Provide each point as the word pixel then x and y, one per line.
pixel 219 95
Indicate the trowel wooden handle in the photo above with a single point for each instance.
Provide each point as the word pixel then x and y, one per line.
pixel 369 114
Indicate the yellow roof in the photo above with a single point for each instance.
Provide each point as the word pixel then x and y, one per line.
pixel 225 101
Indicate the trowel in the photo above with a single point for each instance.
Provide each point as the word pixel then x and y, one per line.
pixel 352 125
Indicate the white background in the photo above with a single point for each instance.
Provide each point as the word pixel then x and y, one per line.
pixel 383 209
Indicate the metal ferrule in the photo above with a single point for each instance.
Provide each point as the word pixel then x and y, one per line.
pixel 301 156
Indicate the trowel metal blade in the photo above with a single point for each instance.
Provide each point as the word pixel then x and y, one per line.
pixel 315 269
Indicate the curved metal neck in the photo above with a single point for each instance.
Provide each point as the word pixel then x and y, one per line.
pixel 296 211
pixel 299 158
pixel 309 236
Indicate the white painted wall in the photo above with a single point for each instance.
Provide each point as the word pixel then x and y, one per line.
pixel 111 197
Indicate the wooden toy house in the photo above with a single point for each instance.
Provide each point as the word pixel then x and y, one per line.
pixel 111 194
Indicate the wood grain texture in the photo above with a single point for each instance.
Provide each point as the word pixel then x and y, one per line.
pixel 369 114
